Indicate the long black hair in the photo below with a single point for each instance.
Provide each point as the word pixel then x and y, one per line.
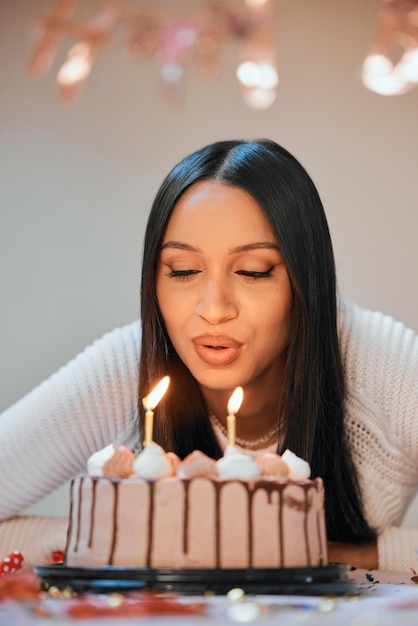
pixel 311 410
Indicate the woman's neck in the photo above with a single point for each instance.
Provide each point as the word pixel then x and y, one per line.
pixel 257 415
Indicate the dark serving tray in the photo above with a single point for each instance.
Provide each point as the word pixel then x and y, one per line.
pixel 324 580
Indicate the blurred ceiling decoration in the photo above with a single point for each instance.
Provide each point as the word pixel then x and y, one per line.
pixel 391 66
pixel 174 39
pixel 177 38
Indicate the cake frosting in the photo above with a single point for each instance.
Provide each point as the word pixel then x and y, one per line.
pixel 156 511
pixel 237 465
pixel 298 468
pixel 98 460
pixel 152 463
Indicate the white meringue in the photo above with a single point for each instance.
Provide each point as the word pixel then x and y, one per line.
pixel 237 465
pixel 98 459
pixel 298 468
pixel 152 463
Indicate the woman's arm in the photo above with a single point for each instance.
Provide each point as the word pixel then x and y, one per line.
pixel 381 362
pixel 396 550
pixel 47 436
pixel 360 555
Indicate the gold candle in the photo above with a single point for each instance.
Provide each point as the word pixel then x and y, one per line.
pixel 149 403
pixel 234 404
pixel 149 426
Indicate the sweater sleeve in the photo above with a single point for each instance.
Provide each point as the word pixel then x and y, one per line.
pixel 381 362
pixel 48 435
pixel 397 549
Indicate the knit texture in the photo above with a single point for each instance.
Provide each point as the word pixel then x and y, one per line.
pixel 380 359
pixel 48 436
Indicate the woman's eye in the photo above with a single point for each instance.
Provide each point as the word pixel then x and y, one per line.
pixel 182 274
pixel 253 275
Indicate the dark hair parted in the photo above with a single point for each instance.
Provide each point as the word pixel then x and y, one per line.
pixel 311 411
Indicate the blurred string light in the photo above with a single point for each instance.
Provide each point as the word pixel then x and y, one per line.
pixel 177 38
pixel 174 39
pixel 391 66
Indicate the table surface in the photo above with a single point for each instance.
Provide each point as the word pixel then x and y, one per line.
pixel 375 599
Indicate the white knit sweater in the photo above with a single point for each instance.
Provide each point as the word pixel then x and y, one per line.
pixel 47 437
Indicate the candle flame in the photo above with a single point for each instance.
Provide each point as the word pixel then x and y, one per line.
pixel 235 401
pixel 153 398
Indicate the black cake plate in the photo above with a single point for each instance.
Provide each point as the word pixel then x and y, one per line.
pixel 332 579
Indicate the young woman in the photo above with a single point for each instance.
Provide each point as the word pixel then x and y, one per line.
pixel 238 288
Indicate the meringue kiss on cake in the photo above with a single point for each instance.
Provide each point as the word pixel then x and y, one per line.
pixel 157 511
pixel 161 512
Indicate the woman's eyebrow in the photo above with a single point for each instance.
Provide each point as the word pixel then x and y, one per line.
pixel 257 245
pixel 179 245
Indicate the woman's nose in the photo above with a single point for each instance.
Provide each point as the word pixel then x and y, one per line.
pixel 216 303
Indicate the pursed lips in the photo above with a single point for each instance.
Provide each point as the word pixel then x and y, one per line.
pixel 217 350
pixel 216 341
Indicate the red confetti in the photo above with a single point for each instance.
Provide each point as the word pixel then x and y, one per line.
pixel 11 563
pixel 57 556
pixel 134 604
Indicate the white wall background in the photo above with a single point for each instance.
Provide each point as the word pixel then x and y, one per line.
pixel 77 180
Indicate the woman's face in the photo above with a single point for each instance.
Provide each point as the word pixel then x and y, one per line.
pixel 223 288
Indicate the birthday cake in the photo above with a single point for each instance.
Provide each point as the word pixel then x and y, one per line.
pixel 155 511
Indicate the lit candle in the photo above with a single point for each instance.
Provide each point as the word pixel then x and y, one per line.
pixel 234 404
pixel 149 403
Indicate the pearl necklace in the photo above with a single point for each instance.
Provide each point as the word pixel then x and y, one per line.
pixel 244 443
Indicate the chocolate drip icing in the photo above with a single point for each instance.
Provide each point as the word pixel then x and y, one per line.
pixel 217 524
pixel 250 496
pixel 70 525
pixel 151 485
pixel 280 525
pixel 305 528
pixel 319 488
pixel 271 488
pixel 92 511
pixel 115 522
pixel 276 495
pixel 186 499
pixel 80 502
pixel 251 489
pixel 186 485
pixel 279 488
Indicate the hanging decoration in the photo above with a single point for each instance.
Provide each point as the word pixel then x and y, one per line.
pixel 175 40
pixel 178 39
pixel 391 66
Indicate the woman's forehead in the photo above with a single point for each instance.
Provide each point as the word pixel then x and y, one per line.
pixel 218 207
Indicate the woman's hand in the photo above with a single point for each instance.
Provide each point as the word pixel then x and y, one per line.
pixel 360 555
